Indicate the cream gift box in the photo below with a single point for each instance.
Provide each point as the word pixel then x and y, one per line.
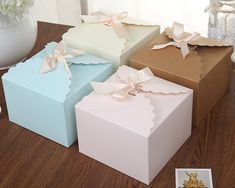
pixel 101 40
pixel 137 135
pixel 44 103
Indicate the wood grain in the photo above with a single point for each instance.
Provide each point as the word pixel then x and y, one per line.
pixel 29 160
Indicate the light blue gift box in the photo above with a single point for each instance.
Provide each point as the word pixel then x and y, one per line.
pixel 44 103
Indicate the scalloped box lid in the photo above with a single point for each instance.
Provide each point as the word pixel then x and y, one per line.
pixel 195 66
pixel 56 84
pixel 101 40
pixel 39 102
pixel 205 69
pixel 141 114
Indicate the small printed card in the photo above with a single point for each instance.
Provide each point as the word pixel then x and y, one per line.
pixel 193 178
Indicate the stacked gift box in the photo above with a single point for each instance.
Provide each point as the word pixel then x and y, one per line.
pixel 130 95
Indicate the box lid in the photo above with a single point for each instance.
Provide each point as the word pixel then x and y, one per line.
pixel 56 84
pixel 169 60
pixel 101 37
pixel 142 113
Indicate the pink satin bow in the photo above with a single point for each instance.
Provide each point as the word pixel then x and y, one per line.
pixel 179 40
pixel 60 55
pixel 130 82
pixel 113 20
pixel 121 91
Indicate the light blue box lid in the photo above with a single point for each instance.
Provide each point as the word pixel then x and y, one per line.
pixel 56 84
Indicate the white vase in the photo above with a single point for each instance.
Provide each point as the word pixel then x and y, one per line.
pixel 17 38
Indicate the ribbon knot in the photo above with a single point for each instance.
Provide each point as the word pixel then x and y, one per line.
pixel 109 19
pixel 59 55
pixel 134 82
pixel 180 39
pixel 129 82
pixel 131 86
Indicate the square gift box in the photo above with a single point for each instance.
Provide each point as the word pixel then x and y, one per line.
pixel 44 103
pixel 206 69
pixel 137 134
pixel 101 40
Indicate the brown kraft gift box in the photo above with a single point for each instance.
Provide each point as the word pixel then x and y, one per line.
pixel 205 69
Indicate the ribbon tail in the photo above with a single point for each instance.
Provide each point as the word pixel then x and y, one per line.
pixel 66 67
pixel 73 53
pixel 122 15
pixel 118 91
pixel 119 30
pixel 184 49
pixel 161 46
pixel 122 94
pixel 107 88
pixel 47 67
pixel 194 36
pixel 89 19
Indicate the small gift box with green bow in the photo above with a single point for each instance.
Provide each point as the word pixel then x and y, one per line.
pixel 41 93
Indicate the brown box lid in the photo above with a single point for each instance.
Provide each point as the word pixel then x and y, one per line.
pixel 169 60
pixel 199 68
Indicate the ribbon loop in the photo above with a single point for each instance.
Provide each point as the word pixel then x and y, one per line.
pixel 180 40
pixel 178 30
pixel 132 85
pixel 109 19
pixel 60 55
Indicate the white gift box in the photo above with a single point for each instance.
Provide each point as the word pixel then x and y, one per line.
pixel 101 40
pixel 139 135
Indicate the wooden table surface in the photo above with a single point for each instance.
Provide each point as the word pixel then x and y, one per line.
pixel 29 160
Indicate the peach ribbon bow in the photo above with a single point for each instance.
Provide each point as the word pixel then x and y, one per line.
pixel 180 40
pixel 60 55
pixel 109 19
pixel 121 91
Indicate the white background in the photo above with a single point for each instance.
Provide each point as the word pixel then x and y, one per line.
pixel 163 12
pixel 57 11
